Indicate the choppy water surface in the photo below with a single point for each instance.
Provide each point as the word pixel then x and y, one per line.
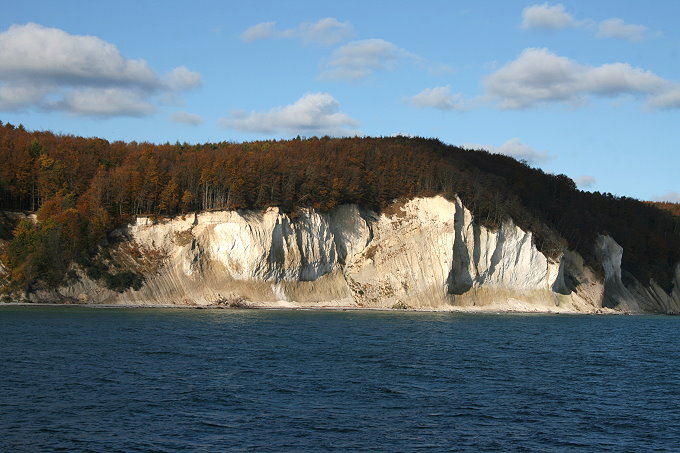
pixel 85 379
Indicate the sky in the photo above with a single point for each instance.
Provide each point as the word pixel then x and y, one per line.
pixel 590 89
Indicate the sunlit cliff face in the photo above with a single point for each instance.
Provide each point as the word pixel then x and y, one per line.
pixel 426 253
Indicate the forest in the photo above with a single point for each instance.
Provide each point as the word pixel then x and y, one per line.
pixel 83 188
pixel 673 208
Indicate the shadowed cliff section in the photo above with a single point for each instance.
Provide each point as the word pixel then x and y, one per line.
pixel 460 280
pixel 82 188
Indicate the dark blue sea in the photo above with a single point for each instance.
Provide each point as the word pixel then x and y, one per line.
pixel 168 380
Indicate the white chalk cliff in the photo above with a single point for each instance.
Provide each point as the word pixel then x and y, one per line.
pixel 426 253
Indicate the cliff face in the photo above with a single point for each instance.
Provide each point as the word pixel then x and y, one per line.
pixel 424 253
pixel 4 273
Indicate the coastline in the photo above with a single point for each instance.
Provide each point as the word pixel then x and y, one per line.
pixel 452 309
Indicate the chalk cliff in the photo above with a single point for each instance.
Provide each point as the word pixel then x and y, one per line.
pixel 426 253
pixel 4 273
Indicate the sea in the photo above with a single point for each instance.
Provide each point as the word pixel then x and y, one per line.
pixel 82 379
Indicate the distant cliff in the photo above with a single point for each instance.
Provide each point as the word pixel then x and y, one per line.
pixel 424 253
pixel 326 220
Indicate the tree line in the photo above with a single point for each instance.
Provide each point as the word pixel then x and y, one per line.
pixel 82 188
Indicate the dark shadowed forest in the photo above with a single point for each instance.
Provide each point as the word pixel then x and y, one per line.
pixel 673 208
pixel 83 188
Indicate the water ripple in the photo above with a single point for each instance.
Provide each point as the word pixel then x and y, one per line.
pixel 174 380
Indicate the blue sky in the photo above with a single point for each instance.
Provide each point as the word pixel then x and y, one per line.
pixel 588 89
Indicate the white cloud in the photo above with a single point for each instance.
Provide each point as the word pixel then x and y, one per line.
pixel 359 59
pixel 14 96
pixel 585 181
pixel 262 30
pixel 49 54
pixel 313 113
pixel 181 78
pixel 48 68
pixel 439 98
pixel 105 102
pixel 672 197
pixel 555 17
pixel 515 148
pixel 326 32
pixel 669 99
pixel 186 118
pixel 539 76
pixel 620 78
pixel 617 28
pixel 546 17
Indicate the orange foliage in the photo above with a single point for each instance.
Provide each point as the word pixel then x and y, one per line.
pixel 102 184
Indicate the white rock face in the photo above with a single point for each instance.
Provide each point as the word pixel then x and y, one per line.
pixel 633 296
pixel 408 256
pixel 675 296
pixel 3 271
pixel 423 253
pixel 616 294
pixel 505 258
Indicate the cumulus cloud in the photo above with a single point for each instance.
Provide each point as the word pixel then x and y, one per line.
pixel 671 197
pixel 17 95
pixel 620 78
pixel 326 32
pixel 617 28
pixel 186 118
pixel 439 98
pixel 669 99
pixel 104 102
pixel 359 59
pixel 539 76
pixel 262 30
pixel 181 78
pixel 547 17
pixel 585 181
pixel 555 17
pixel 52 55
pixel 515 148
pixel 48 68
pixel 312 114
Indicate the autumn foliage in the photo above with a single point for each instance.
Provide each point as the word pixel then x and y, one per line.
pixel 673 208
pixel 82 188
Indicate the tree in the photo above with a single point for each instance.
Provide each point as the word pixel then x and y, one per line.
pixel 169 198
pixel 187 199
